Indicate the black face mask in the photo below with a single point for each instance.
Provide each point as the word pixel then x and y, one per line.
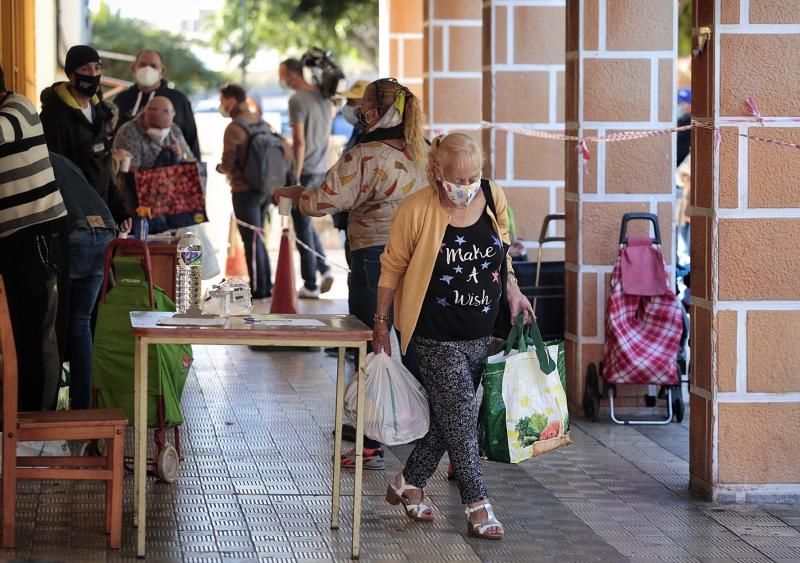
pixel 86 84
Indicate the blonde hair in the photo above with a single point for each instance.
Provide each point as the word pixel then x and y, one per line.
pixel 383 92
pixel 455 149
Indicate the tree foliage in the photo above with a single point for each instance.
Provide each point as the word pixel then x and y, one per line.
pixel 684 28
pixel 347 28
pixel 112 32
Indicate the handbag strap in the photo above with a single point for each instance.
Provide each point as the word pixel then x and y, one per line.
pixel 534 336
pixel 486 187
pixel 522 336
pixel 516 336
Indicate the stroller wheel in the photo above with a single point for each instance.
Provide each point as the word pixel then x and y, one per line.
pixel 677 404
pixel 591 394
pixel 168 464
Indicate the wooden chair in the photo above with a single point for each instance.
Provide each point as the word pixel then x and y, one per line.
pixel 107 424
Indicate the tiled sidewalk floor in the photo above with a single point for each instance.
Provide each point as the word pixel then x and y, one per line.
pixel 255 485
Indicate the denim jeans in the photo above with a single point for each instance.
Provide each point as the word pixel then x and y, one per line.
pixel 362 285
pixel 305 232
pixel 251 207
pixel 87 248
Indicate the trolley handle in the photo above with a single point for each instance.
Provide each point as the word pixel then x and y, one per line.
pixel 111 250
pixel 543 238
pixel 623 232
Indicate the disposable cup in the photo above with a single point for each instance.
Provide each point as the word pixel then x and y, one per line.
pixel 125 165
pixel 285 206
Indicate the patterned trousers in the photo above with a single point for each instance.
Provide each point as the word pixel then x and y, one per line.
pixel 451 372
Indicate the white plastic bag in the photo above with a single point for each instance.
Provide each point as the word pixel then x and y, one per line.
pixel 43 449
pixel 395 404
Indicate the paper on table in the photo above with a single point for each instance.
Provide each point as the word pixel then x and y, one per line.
pixel 162 237
pixel 173 321
pixel 288 322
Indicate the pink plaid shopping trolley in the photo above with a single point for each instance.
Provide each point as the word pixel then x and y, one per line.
pixel 644 323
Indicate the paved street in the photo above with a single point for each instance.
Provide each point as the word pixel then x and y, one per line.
pixel 255 485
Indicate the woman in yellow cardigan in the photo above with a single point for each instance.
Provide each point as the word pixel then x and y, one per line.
pixel 442 270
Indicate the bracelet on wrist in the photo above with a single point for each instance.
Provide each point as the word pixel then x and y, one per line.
pixel 381 318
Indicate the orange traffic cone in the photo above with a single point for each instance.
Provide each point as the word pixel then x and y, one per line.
pixel 284 294
pixel 235 264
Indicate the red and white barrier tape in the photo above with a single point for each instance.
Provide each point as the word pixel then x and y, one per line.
pixel 582 141
pixel 259 233
pixel 581 145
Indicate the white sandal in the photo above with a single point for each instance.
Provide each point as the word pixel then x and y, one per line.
pixel 396 495
pixel 479 530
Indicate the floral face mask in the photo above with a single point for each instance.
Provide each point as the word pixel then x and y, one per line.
pixel 461 194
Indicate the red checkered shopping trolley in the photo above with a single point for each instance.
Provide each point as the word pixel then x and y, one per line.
pixel 644 325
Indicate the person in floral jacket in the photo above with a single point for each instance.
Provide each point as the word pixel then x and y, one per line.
pixel 369 182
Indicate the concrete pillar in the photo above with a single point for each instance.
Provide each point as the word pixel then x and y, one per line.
pixel 406 42
pixel 18 46
pixel 523 87
pixel 452 64
pixel 620 76
pixel 745 395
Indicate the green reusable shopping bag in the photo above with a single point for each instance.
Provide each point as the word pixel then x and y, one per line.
pixel 524 411
pixel 113 362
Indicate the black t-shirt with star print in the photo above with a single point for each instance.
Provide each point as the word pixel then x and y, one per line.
pixel 464 291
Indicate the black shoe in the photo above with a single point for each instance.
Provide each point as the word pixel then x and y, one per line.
pixel 348 433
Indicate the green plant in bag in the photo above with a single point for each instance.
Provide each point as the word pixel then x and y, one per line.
pixel 530 428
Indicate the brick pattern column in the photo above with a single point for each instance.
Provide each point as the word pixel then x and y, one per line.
pixel 406 43
pixel 523 87
pixel 452 64
pixel 745 395
pixel 620 76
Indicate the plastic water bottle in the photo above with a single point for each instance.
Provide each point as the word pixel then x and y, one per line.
pixel 188 273
pixel 142 224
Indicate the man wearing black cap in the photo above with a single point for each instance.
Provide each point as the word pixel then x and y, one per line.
pixel 79 125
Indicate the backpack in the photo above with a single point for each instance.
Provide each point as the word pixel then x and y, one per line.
pixel 265 166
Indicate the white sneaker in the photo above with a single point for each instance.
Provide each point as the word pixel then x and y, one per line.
pixel 305 293
pixel 326 282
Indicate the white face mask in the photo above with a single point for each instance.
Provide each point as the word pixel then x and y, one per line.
pixel 392 118
pixel 158 135
pixel 223 111
pixel 349 114
pixel 147 76
pixel 460 194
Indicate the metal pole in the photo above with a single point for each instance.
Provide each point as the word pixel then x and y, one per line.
pixel 244 42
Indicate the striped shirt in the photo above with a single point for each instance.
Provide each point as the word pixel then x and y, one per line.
pixel 28 191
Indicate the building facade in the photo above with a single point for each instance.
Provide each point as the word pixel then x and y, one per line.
pixel 591 68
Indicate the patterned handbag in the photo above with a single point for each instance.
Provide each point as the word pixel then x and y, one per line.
pixel 174 195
